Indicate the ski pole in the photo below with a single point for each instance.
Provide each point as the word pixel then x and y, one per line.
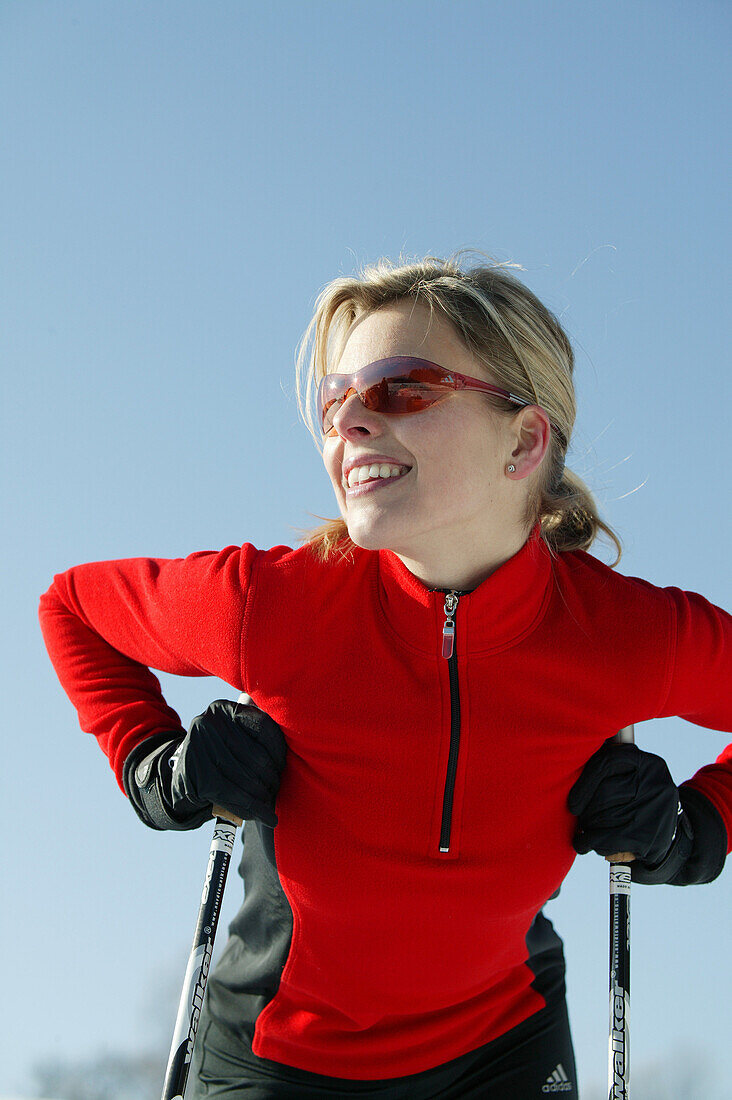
pixel 619 1042
pixel 199 960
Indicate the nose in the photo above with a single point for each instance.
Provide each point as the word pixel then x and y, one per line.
pixel 353 417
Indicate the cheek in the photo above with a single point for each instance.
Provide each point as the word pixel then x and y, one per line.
pixel 452 468
pixel 459 483
pixel 332 467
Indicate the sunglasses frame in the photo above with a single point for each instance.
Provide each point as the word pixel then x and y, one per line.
pixel 450 383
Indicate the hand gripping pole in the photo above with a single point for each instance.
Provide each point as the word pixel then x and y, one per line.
pixel 199 961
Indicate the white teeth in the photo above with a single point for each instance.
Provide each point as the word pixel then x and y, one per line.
pixel 367 473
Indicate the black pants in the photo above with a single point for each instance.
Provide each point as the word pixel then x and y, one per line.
pixel 530 1062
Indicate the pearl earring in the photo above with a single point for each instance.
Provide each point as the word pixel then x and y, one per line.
pixel 511 469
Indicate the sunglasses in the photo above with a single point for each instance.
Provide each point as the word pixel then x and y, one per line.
pixel 398 386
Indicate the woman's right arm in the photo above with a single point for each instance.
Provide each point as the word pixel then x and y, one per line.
pixel 105 624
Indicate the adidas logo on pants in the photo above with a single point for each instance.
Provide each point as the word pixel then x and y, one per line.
pixel 557 1081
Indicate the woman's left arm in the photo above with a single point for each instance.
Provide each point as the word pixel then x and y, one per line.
pixel 700 687
pixel 626 800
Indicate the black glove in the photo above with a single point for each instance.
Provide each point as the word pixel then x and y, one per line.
pixel 626 801
pixel 232 756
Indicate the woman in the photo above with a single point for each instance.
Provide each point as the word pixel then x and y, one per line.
pixel 438 673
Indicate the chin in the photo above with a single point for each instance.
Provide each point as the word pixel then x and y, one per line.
pixel 367 537
pixel 366 540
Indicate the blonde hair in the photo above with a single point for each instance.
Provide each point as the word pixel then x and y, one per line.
pixel 509 331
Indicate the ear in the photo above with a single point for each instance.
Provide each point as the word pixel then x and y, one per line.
pixel 531 435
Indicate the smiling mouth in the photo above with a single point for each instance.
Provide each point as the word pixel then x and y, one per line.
pixel 373 484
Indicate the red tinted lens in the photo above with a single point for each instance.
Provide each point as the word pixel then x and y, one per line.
pixel 387 386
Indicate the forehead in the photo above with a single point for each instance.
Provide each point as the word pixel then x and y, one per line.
pixel 403 328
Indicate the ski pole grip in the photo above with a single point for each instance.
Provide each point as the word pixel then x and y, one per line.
pixel 219 811
pixel 227 815
pixel 625 736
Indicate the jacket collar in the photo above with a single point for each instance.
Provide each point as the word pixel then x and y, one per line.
pixel 505 607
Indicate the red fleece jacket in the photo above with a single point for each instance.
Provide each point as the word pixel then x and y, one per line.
pixel 403 956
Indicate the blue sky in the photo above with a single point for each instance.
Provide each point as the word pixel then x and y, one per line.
pixel 179 180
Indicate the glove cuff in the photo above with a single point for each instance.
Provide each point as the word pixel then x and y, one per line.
pixel 675 859
pixel 698 851
pixel 709 850
pixel 146 777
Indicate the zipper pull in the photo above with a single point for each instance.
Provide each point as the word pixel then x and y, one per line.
pixel 448 629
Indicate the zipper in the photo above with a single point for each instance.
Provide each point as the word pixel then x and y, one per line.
pixel 448 652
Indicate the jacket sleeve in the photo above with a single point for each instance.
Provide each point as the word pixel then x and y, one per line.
pixel 105 624
pixel 700 686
